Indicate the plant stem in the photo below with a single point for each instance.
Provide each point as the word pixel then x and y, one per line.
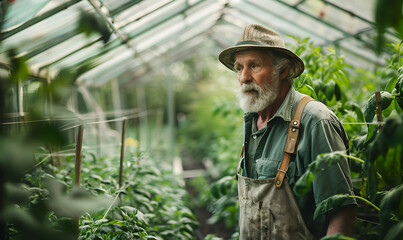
pixel 366 201
pixel 113 202
pixel 354 158
pixel 361 161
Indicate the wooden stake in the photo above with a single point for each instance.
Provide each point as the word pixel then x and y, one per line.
pixel 79 147
pixel 51 155
pixel 378 108
pixel 122 151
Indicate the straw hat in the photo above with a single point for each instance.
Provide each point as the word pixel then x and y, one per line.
pixel 256 36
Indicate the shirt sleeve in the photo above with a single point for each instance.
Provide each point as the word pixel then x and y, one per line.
pixel 325 134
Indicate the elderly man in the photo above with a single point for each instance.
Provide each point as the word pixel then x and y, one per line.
pixel 281 138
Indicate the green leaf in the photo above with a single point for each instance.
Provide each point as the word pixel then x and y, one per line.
pixel 330 203
pixel 90 23
pixel 117 222
pixel 391 84
pixel 391 207
pixel 329 89
pixel 304 182
pixel 337 236
pixel 308 90
pixel 19 68
pixel 389 137
pixel 390 166
pixel 338 92
pixel 395 232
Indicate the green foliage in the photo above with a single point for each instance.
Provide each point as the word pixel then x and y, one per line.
pixel 38 200
pixel 304 182
pixel 19 69
pixel 326 77
pixel 395 232
pixel 384 155
pixel 152 204
pixel 225 207
pixel 388 13
pixel 370 110
pixel 336 201
pixel 391 216
pixel 337 236
pixel 46 211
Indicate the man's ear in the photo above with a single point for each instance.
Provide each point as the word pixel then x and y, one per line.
pixel 284 72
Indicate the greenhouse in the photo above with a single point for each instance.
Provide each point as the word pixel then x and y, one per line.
pixel 119 119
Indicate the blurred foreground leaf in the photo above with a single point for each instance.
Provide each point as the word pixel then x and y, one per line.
pixel 392 211
pixel 304 182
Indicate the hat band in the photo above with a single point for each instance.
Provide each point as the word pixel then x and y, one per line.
pixel 250 42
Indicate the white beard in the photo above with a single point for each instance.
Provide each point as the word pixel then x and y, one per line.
pixel 254 98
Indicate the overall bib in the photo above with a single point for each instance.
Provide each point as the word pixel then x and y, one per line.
pixel 267 207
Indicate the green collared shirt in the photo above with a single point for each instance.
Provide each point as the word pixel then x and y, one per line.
pixel 321 132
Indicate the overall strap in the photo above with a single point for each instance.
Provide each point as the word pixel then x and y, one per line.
pixel 292 140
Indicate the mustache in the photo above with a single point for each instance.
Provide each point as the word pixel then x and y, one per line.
pixel 250 87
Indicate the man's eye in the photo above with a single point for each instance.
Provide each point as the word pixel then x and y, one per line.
pixel 253 66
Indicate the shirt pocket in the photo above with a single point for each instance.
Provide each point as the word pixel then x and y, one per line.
pixel 267 167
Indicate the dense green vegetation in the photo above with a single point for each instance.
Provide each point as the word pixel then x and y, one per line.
pixel 39 196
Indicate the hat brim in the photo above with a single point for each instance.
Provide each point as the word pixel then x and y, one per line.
pixel 227 56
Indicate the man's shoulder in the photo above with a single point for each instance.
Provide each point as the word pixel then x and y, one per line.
pixel 316 110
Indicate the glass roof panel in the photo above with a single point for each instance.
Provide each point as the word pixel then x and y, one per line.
pixel 138 11
pixel 59 51
pixel 46 30
pixel 178 36
pixel 16 16
pixel 47 34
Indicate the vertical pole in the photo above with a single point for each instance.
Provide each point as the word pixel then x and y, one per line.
pixel 20 101
pixel 116 101
pixel 378 109
pixel 3 91
pixel 79 147
pixel 99 142
pixel 143 118
pixel 137 132
pixel 122 151
pixel 51 155
pixel 171 112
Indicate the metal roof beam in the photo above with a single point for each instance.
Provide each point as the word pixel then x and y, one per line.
pixel 179 33
pixel 326 23
pixel 281 17
pixel 116 42
pixel 373 24
pixel 106 19
pixel 123 7
pixel 348 12
pixel 49 44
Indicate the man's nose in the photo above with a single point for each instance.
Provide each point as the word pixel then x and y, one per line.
pixel 245 76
